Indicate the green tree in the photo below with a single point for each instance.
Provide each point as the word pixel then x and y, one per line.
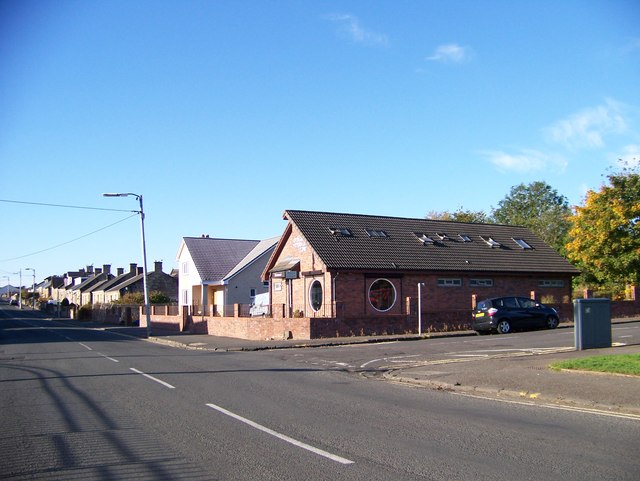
pixel 461 215
pixel 605 231
pixel 539 207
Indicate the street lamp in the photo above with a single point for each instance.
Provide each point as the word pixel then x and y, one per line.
pixel 33 292
pixel 144 254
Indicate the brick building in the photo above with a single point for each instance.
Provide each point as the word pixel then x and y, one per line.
pixel 360 274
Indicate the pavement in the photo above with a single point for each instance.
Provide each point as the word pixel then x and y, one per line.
pixel 523 378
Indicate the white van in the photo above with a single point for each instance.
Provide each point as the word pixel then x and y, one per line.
pixel 260 306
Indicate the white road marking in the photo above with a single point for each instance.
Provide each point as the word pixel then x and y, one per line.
pixel 110 358
pixel 387 359
pixel 597 412
pixel 85 346
pixel 282 437
pixel 166 384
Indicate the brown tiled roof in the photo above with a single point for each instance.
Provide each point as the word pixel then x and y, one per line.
pixel 402 249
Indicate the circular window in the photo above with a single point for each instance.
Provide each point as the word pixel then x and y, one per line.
pixel 315 295
pixel 382 295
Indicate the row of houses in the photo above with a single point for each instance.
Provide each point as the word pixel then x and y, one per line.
pixel 92 286
pixel 337 274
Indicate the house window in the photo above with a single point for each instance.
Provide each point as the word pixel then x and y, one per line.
pixel 442 236
pixel 252 292
pixel 382 295
pixel 340 231
pixel 376 233
pixel 464 237
pixel 522 243
pixel 315 295
pixel 185 297
pixel 185 268
pixel 424 238
pixel 490 242
pixel 449 282
pixel 550 283
pixel 481 282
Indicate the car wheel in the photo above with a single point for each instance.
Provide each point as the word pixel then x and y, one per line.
pixel 503 327
pixel 552 322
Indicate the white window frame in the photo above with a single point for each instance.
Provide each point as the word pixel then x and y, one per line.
pixel 481 283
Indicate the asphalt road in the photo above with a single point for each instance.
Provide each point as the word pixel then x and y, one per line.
pixel 85 404
pixel 396 355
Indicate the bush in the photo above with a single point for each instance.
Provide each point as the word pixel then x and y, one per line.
pixel 84 313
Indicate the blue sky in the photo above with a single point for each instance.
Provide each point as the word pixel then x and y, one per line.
pixel 223 114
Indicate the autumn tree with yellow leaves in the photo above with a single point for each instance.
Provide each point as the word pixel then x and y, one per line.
pixel 605 231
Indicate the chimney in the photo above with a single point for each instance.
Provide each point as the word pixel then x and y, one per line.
pixel 158 266
pixel 89 269
pixel 133 268
pixel 140 270
pixel 98 271
pixel 106 268
pixel 120 271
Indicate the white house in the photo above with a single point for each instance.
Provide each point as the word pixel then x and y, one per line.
pixel 216 273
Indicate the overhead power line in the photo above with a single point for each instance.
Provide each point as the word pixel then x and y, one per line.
pixel 64 206
pixel 72 240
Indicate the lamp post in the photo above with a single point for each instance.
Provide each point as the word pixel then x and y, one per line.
pixel 420 285
pixel 20 290
pixel 33 291
pixel 144 254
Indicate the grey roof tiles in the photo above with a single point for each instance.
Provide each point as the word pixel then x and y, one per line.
pixel 400 247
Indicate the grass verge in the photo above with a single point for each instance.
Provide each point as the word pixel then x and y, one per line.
pixel 615 364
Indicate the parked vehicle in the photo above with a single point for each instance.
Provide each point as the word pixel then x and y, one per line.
pixel 260 306
pixel 505 314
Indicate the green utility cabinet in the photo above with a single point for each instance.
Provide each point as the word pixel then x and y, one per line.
pixel 592 319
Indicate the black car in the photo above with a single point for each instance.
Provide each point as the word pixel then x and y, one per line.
pixel 505 314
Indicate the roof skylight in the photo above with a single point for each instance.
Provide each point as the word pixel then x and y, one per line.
pixel 490 242
pixel 464 237
pixel 522 243
pixel 376 233
pixel 340 231
pixel 425 239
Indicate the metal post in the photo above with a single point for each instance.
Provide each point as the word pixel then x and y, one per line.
pixel 420 284
pixel 146 272
pixel 20 291
pixel 144 255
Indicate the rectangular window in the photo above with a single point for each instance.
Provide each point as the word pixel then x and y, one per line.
pixel 551 283
pixel 340 231
pixel 449 282
pixel 490 242
pixel 252 292
pixel 185 268
pixel 464 237
pixel 522 243
pixel 376 233
pixel 185 297
pixel 424 238
pixel 481 282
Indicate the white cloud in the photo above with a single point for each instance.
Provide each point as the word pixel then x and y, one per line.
pixel 450 53
pixel 587 129
pixel 350 25
pixel 525 161
pixel 630 156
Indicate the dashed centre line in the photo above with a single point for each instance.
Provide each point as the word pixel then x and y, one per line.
pixel 160 381
pixel 281 436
